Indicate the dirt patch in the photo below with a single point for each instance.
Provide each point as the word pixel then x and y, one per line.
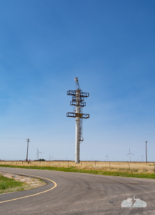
pixel 28 182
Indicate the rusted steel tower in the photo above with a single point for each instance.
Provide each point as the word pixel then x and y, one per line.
pixel 78 101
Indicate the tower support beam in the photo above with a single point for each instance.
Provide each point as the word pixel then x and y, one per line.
pixel 77 135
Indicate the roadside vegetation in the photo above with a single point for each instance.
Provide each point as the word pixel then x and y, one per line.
pixel 10 185
pixel 122 173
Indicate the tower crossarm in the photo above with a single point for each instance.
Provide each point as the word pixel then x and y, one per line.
pixel 81 104
pixel 84 94
pixel 74 99
pixel 71 92
pixel 81 115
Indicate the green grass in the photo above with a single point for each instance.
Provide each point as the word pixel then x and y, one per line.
pixel 125 173
pixel 7 183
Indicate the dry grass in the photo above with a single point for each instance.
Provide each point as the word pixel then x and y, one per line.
pixel 123 172
pixel 13 183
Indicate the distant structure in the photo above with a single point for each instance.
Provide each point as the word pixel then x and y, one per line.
pixel 78 101
pixel 106 157
pixel 130 154
pixel 38 154
pixel 146 150
pixel 28 140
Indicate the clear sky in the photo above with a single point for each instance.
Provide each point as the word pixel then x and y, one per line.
pixel 109 46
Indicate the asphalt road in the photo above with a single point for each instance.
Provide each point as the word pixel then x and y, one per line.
pixel 75 193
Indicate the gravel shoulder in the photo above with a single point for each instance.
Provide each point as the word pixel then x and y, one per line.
pixel 28 182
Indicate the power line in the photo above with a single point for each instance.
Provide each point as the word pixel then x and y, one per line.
pixel 13 138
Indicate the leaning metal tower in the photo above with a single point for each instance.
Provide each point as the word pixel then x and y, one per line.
pixel 78 101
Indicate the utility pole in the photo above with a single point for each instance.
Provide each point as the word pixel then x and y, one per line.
pixel 146 150
pixel 28 140
pixel 78 101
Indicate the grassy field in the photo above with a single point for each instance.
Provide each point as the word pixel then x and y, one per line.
pixel 124 173
pixel 9 185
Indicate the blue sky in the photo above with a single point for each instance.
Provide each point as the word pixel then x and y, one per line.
pixel 109 46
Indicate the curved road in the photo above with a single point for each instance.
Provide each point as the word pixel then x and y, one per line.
pixel 77 193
